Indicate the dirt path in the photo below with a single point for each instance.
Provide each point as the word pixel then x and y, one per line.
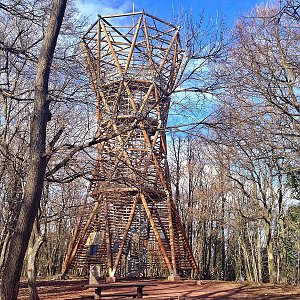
pixel 211 290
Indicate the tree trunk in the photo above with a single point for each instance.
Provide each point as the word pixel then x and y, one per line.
pixel 248 274
pixel 282 254
pixel 270 254
pixel 190 159
pixel 253 254
pixel 204 250
pixel 238 264
pixel 223 246
pixel 37 160
pixel 209 246
pixel 35 243
pixel 259 256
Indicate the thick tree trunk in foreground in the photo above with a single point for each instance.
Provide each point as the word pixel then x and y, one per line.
pixel 38 159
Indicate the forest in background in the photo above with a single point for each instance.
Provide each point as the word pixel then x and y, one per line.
pixel 233 157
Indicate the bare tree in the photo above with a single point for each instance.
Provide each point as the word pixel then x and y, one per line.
pixel 37 158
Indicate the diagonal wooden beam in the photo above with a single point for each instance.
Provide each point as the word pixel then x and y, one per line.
pixel 98 50
pixel 131 99
pixel 159 132
pixel 77 239
pixel 125 154
pixel 178 220
pixel 156 233
pixel 168 51
pixel 137 29
pixel 176 63
pixel 126 230
pixel 149 50
pixel 171 232
pixel 169 203
pixel 148 158
pixel 155 209
pixel 146 98
pixel 111 47
pixel 155 160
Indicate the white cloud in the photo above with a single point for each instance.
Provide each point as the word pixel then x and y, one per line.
pixel 92 8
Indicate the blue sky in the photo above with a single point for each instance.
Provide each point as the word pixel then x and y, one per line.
pixel 230 9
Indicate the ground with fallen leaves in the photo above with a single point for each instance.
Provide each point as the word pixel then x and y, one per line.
pixel 183 290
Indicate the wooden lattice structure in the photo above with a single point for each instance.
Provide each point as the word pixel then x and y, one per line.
pixel 132 227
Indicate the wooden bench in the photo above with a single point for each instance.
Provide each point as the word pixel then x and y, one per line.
pixel 99 288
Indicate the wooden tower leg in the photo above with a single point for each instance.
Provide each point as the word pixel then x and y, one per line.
pixel 173 275
pixel 127 227
pixel 156 233
pixel 76 240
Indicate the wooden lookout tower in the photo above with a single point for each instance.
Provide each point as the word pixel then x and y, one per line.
pixel 132 227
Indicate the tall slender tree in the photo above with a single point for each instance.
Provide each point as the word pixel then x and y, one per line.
pixel 37 157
